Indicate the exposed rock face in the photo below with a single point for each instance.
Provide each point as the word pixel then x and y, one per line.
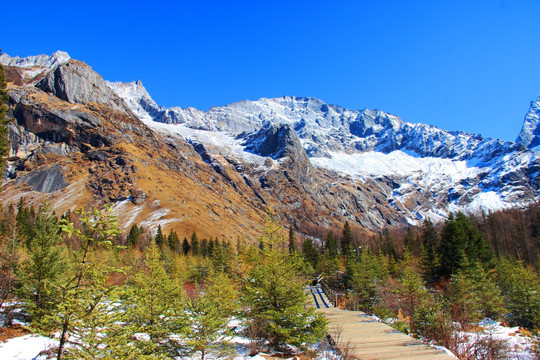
pixel 77 83
pixel 530 133
pixel 142 104
pixel 47 179
pixel 75 144
pixel 281 142
pixel 50 120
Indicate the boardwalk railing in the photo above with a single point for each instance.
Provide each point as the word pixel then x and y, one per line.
pixel 336 298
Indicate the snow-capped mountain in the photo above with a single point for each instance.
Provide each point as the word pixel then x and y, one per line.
pixel 216 171
pixel 458 170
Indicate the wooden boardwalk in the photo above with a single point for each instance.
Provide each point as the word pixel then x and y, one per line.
pixel 365 338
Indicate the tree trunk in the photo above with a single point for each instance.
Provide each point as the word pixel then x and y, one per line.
pixel 63 339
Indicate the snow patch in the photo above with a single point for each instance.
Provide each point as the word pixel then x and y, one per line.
pixel 128 211
pixel 373 163
pixel 486 201
pixel 26 347
pixel 216 142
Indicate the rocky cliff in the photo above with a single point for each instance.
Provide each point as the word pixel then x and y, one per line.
pixel 530 132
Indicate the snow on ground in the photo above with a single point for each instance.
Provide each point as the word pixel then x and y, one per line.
pixel 518 345
pixel 128 212
pixel 429 175
pixel 25 347
pixel 28 347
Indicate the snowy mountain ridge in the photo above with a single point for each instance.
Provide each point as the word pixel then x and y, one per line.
pixel 32 67
pixel 47 61
pixel 321 127
pixel 458 170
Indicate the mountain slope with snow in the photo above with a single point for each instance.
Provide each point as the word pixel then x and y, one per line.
pixel 454 170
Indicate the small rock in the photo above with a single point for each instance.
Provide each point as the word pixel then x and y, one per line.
pixel 137 196
pixel 97 155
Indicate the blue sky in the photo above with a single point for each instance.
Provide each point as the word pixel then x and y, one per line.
pixel 460 65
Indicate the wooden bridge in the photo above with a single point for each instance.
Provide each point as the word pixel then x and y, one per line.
pixel 360 336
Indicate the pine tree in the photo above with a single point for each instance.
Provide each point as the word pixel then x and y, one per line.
pixel 451 247
pixel 388 246
pixel 185 246
pixel 160 238
pixel 346 238
pixel 463 297
pixel 429 233
pixel 274 299
pixel 489 295
pixel 331 247
pixel 362 277
pixel 292 244
pixel 432 322
pixel 23 221
pixel 521 286
pixel 204 248
pixel 133 236
pixel 212 246
pixel 221 258
pixel 153 296
pixel 8 279
pixel 41 273
pixel 429 262
pixel 410 242
pixel 310 252
pixel 195 244
pixel 210 312
pixel 412 291
pixel 173 241
pixel 460 239
pixel 83 292
pixel 100 333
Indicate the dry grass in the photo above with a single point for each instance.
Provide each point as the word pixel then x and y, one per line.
pixel 14 331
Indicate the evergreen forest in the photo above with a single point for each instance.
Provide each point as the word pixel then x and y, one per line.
pixel 136 294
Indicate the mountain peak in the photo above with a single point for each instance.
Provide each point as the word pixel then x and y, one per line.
pixel 47 61
pixel 530 132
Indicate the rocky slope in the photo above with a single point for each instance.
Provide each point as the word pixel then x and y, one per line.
pixel 80 141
